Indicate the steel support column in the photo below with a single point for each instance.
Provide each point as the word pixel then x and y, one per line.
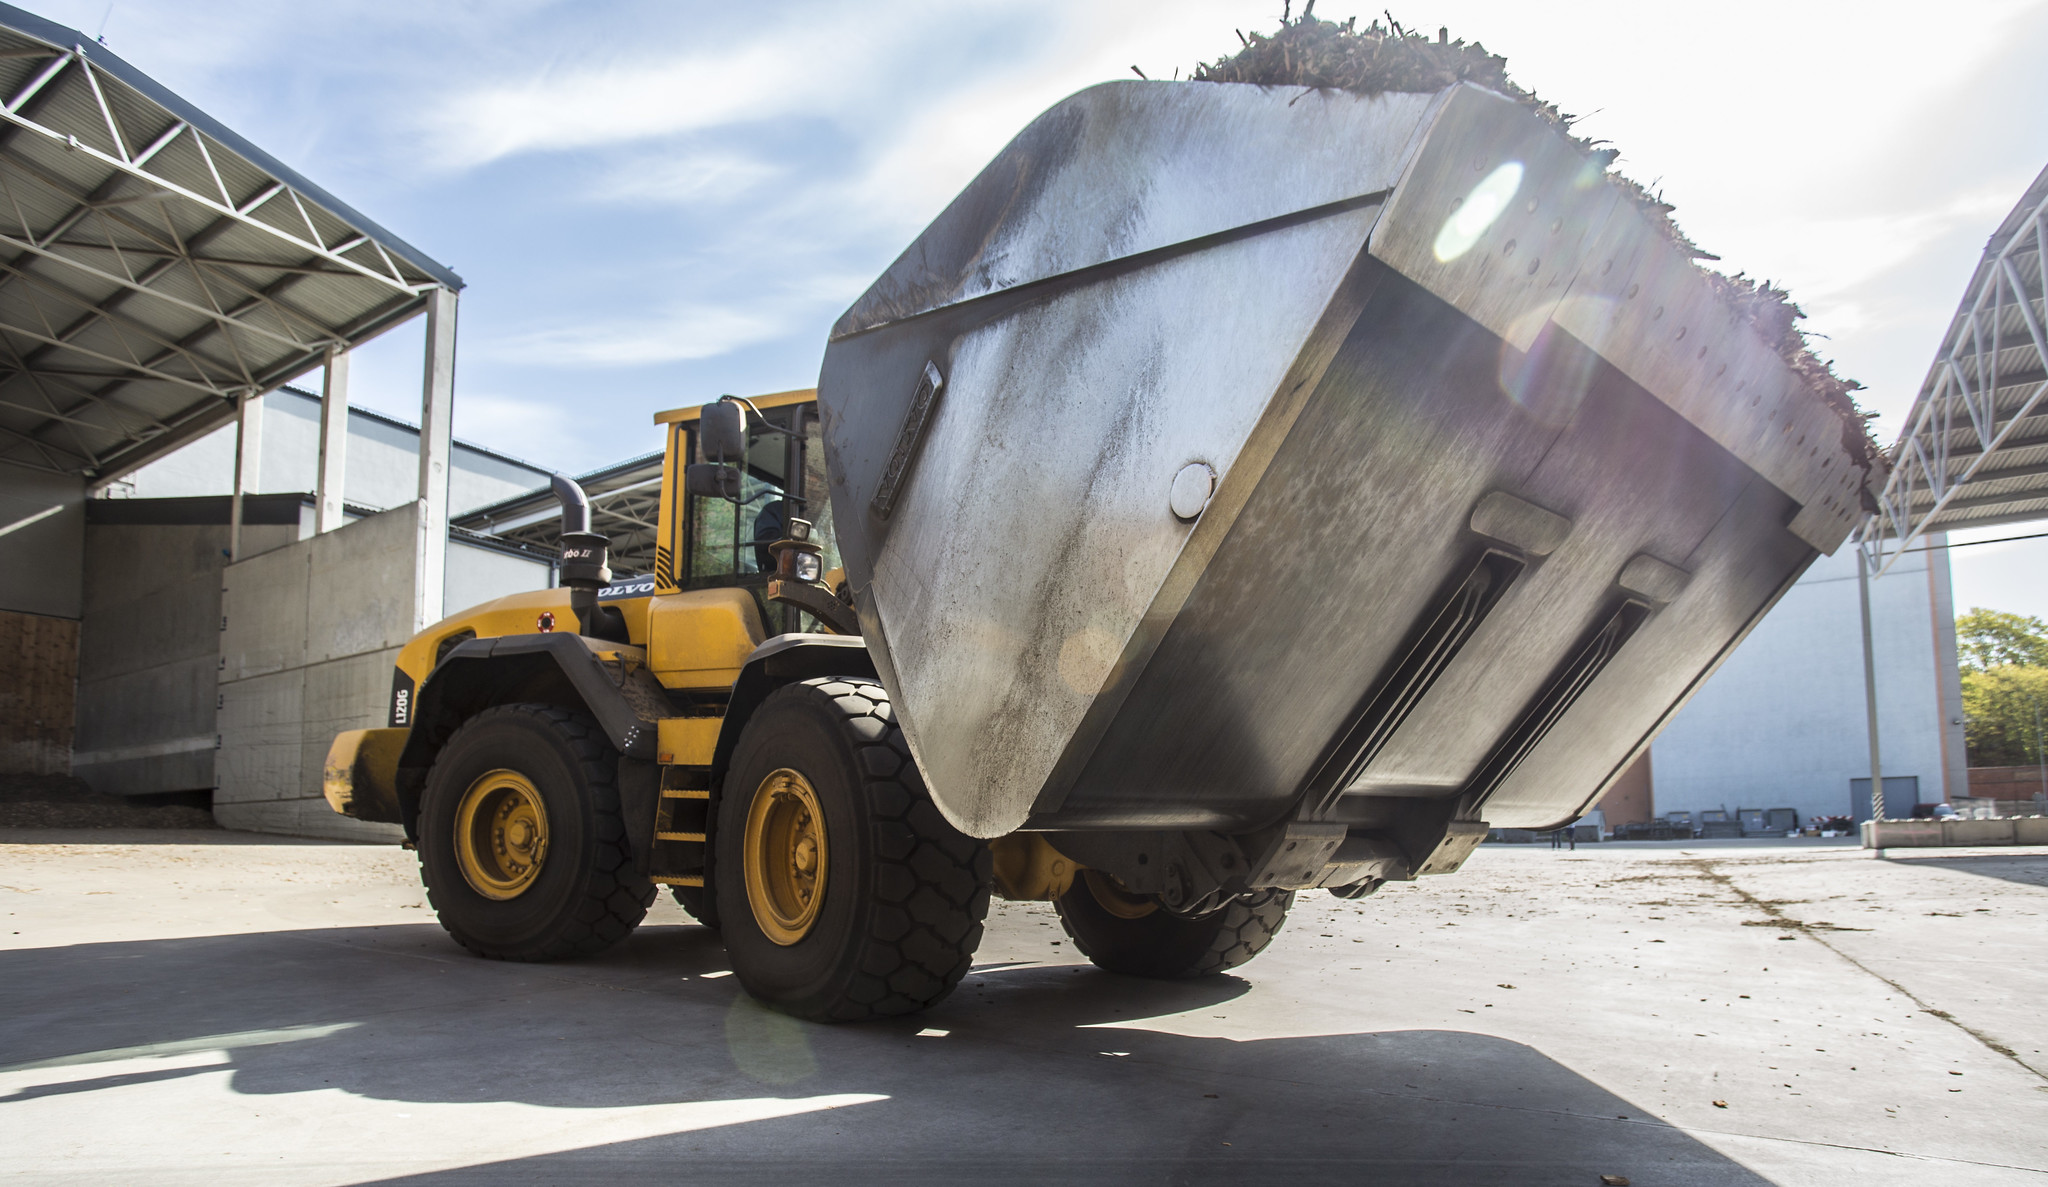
pixel 328 488
pixel 1870 689
pixel 248 456
pixel 437 400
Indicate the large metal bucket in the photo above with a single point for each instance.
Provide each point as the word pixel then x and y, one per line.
pixel 1498 477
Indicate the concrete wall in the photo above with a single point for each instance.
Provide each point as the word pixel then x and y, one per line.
pixel 149 649
pixel 309 635
pixel 42 542
pixel 382 469
pixel 151 671
pixel 1781 725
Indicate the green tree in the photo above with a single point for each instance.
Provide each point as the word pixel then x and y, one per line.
pixel 1987 639
pixel 2005 709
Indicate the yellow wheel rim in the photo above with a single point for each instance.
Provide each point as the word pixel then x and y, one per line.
pixel 1114 899
pixel 785 856
pixel 501 834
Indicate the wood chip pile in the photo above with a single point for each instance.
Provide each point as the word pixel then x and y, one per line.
pixel 1308 52
pixel 61 801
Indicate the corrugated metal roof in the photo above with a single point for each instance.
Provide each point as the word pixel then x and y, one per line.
pixel 625 500
pixel 155 266
pixel 625 504
pixel 1975 449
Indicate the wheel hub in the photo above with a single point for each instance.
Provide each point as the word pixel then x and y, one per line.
pixel 785 856
pixel 501 834
pixel 1113 898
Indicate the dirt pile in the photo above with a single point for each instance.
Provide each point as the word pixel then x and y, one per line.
pixel 1309 52
pixel 60 801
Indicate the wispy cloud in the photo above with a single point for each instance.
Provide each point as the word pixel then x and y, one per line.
pixel 532 428
pixel 821 61
pixel 1829 257
pixel 677 334
pixel 712 178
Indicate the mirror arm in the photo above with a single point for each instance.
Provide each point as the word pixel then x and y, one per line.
pixel 743 402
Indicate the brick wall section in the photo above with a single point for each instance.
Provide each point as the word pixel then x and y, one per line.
pixel 1630 801
pixel 2005 783
pixel 38 690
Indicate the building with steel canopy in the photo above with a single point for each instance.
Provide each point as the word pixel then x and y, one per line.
pixel 159 276
pixel 1975 449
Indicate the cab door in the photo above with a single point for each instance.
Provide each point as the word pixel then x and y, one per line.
pixel 717 550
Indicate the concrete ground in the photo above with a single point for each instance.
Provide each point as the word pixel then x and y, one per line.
pixel 222 1009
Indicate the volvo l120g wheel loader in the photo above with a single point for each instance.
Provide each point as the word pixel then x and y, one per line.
pixel 1235 491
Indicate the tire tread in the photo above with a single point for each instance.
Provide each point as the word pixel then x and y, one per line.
pixel 932 881
pixel 614 900
pixel 1243 929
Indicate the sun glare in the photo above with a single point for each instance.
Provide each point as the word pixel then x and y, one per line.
pixel 1478 211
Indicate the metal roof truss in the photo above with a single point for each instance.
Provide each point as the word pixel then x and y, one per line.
pixel 1976 449
pixel 151 273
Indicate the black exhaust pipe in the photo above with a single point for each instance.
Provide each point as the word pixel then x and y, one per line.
pixel 575 505
pixel 585 566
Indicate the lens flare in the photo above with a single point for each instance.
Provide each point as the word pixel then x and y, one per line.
pixel 1551 379
pixel 1478 211
pixel 768 1046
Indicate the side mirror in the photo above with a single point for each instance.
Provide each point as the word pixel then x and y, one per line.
pixel 722 431
pixel 712 480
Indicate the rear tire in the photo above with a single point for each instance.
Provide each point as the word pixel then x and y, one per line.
pixel 1124 933
pixel 876 902
pixel 697 903
pixel 577 894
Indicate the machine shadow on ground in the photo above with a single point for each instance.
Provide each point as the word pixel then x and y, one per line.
pixel 156 836
pixel 1043 1073
pixel 2025 869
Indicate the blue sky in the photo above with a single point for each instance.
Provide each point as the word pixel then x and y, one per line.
pixel 654 203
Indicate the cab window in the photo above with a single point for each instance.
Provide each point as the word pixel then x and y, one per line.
pixel 784 477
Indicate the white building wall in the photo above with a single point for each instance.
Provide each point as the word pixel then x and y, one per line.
pixel 477 575
pixel 1782 724
pixel 383 462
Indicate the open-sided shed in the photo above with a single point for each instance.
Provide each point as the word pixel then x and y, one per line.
pixel 158 275
pixel 156 268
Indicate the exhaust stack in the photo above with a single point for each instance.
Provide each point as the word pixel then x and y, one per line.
pixel 586 564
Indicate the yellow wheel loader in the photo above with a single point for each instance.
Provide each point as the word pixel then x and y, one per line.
pixel 1236 491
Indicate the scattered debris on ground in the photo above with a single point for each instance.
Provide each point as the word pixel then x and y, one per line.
pixel 61 801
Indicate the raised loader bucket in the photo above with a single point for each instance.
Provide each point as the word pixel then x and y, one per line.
pixel 1226 454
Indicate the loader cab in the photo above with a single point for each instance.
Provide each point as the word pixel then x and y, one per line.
pixel 709 542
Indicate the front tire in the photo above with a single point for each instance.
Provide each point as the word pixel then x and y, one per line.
pixel 522 845
pixel 1134 935
pixel 844 895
